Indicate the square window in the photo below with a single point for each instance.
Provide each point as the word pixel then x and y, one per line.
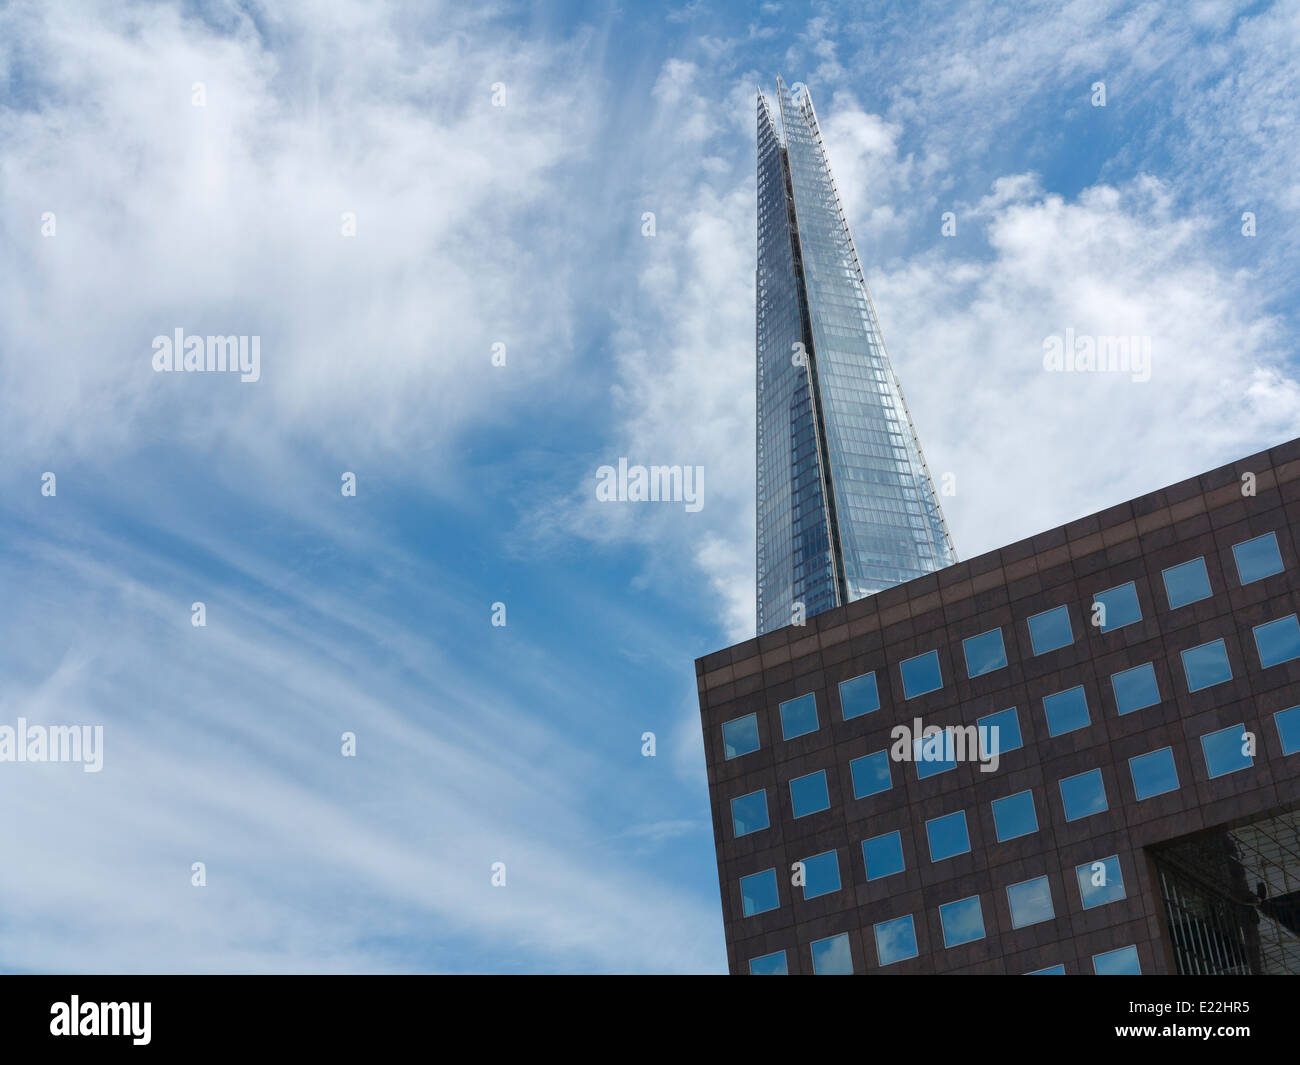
pixel 1030 902
pixel 1224 751
pixel 1136 688
pixel 984 653
pixel 1122 962
pixel 1050 630
pixel 1119 606
pixel 1257 558
pixel 947 835
pixel 921 674
pixel 1051 970
pixel 769 965
pixel 749 812
pixel 799 716
pixel 870 774
pixel 1083 795
pixel 809 794
pixel 1014 816
pixel 1100 882
pixel 1278 641
pixel 1206 665
pixel 1288 729
pixel 832 956
pixel 963 921
pixel 934 754
pixel 821 875
pixel 1154 773
pixel 883 855
pixel 1187 583
pixel 895 940
pixel 1003 731
pixel 1066 711
pixel 758 892
pixel 859 696
pixel 740 736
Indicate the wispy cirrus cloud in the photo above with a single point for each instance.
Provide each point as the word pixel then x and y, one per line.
pixel 228 218
pixel 325 614
pixel 223 744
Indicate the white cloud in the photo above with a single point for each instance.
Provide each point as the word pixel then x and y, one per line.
pixel 1033 449
pixel 673 81
pixel 684 396
pixel 871 177
pixel 226 219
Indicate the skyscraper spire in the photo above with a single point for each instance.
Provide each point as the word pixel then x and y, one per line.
pixel 846 505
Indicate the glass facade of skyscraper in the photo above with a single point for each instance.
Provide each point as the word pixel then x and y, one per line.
pixel 846 506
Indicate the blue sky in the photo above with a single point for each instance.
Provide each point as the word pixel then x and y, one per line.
pixel 522 224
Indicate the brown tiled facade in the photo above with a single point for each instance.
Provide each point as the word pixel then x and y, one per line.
pixel 1067 566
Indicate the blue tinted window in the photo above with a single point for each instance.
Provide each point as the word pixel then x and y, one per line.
pixel 1083 795
pixel 1278 641
pixel 1030 902
pixel 832 956
pixel 1121 606
pixel 963 921
pixel 740 736
pixel 1066 711
pixel 1007 738
pixel 1224 751
pixel 933 754
pixel 883 855
pixel 1154 773
pixel 1122 962
pixel 921 674
pixel 749 812
pixel 870 774
pixel 859 696
pixel 895 940
pixel 1288 729
pixel 1207 665
pixel 1050 630
pixel 758 892
pixel 809 794
pixel 799 716
pixel 1051 970
pixel 769 965
pixel 1187 583
pixel 947 835
pixel 984 653
pixel 1100 882
pixel 1257 558
pixel 1014 816
pixel 1136 688
pixel 821 875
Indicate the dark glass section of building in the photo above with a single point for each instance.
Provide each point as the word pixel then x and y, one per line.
pixel 1232 898
pixel 846 506
pixel 1140 815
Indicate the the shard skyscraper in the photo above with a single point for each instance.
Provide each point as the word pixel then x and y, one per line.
pixel 846 505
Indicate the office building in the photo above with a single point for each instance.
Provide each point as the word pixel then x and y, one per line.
pixel 1137 811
